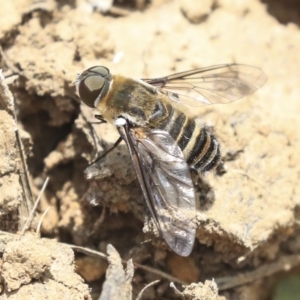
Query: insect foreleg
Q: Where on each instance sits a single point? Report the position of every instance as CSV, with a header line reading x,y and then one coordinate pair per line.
x,y
100,118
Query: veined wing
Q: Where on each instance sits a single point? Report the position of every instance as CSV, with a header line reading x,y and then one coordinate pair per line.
x,y
216,84
166,183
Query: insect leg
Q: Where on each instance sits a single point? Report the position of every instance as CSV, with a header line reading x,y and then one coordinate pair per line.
x,y
109,150
124,133
100,118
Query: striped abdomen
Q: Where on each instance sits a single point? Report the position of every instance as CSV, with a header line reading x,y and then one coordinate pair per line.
x,y
200,147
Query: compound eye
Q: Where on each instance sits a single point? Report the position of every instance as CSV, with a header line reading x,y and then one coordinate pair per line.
x,y
89,88
99,70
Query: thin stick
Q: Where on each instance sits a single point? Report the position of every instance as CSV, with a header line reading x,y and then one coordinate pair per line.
x,y
7,103
99,254
284,263
6,97
139,296
31,216
9,62
24,174
7,233
41,221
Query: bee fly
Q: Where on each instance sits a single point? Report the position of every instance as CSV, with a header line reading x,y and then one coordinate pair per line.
x,y
164,143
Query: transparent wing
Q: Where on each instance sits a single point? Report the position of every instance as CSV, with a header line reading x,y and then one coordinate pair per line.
x,y
215,84
166,183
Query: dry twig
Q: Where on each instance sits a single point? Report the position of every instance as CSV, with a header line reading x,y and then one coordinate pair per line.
x,y
31,216
284,263
139,296
99,254
7,104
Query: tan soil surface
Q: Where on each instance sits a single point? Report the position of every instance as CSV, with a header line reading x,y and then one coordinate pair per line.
x,y
247,219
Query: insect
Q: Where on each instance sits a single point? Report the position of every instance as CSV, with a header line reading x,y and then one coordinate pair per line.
x,y
163,141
